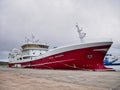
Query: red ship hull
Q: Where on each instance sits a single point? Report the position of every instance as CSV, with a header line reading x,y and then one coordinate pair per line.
x,y
89,58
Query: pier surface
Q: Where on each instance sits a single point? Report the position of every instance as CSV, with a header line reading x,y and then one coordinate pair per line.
x,y
38,79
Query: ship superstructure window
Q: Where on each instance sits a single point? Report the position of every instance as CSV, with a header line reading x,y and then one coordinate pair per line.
x,y
26,57
34,46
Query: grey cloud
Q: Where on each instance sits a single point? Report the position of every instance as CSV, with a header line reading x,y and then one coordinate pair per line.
x,y
54,21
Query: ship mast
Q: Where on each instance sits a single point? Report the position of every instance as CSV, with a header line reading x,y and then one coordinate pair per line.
x,y
81,35
31,40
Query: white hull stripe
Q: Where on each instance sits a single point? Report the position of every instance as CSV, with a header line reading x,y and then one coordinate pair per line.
x,y
104,49
51,62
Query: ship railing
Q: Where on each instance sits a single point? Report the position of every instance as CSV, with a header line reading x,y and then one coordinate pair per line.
x,y
97,40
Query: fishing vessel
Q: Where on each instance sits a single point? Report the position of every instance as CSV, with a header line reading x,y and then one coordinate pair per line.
x,y
81,56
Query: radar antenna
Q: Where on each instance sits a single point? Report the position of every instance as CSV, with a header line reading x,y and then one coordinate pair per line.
x,y
81,35
31,40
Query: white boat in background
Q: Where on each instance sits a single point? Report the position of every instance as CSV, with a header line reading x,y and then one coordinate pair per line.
x,y
111,61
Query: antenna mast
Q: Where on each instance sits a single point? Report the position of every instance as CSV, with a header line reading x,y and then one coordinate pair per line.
x,y
81,35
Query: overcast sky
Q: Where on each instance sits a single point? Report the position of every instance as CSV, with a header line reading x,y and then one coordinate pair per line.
x,y
53,22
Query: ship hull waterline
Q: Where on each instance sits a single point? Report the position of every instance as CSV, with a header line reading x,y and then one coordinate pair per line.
x,y
88,58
